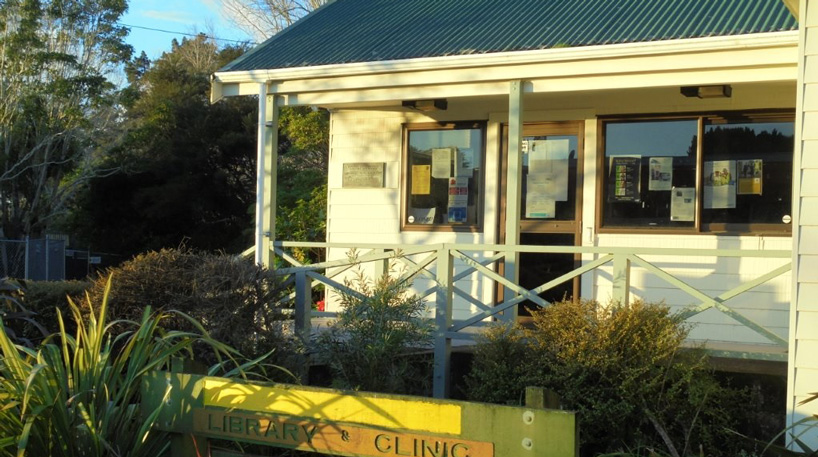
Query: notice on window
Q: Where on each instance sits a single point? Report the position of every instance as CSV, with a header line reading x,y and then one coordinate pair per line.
x,y
661,173
458,192
465,162
682,204
548,164
421,179
625,179
442,163
457,215
720,184
750,176
539,198
425,216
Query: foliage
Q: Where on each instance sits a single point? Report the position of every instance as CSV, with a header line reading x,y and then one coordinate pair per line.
x,y
78,394
622,362
232,298
19,322
57,104
186,167
262,19
373,345
497,376
44,298
307,221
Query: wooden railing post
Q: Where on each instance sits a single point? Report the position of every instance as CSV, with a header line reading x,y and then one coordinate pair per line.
x,y
443,320
303,305
621,279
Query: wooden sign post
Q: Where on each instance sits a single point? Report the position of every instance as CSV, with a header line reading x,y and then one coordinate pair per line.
x,y
350,423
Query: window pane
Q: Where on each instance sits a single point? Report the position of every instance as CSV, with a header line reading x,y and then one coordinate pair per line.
x,y
444,176
650,173
747,172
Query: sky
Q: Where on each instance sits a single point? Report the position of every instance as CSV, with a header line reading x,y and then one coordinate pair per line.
x,y
178,16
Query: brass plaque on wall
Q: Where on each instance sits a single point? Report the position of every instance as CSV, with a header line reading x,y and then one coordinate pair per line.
x,y
363,174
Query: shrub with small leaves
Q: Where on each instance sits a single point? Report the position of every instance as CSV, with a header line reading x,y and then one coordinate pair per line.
x,y
374,345
235,300
622,368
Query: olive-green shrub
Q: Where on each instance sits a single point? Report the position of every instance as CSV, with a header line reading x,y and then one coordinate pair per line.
x,y
376,342
236,301
622,368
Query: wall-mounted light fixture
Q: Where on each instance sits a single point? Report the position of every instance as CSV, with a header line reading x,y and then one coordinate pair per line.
x,y
720,91
437,104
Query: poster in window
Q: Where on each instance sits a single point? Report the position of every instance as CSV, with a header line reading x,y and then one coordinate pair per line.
x,y
625,179
548,161
660,175
457,215
465,162
421,179
682,204
720,184
750,176
458,192
425,216
441,163
539,198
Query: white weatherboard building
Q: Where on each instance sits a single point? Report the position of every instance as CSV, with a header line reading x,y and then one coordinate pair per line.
x,y
520,152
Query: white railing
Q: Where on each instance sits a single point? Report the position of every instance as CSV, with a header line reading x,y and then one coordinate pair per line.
x,y
436,262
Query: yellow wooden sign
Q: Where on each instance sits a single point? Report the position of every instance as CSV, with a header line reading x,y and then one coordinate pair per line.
x,y
344,439
337,422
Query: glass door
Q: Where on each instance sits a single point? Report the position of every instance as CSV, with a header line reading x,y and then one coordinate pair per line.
x,y
550,206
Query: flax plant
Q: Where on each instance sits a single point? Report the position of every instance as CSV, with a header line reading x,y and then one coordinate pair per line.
x,y
78,395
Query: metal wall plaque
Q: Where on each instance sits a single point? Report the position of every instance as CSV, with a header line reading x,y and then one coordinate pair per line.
x,y
363,174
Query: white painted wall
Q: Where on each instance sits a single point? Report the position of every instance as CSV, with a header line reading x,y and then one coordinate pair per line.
x,y
803,356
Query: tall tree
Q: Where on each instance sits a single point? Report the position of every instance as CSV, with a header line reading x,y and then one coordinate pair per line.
x,y
56,103
187,168
262,19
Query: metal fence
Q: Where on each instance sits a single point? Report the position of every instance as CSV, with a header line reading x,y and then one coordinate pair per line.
x,y
39,260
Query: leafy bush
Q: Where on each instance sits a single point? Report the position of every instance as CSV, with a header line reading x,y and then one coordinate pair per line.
x,y
43,298
234,299
497,374
78,394
374,343
19,322
622,369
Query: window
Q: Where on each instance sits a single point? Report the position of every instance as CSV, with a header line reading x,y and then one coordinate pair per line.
x,y
715,173
444,176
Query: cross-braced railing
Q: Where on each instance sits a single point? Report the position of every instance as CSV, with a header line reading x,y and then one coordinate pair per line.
x,y
436,262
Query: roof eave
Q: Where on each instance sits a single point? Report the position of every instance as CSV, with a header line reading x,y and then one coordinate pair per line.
x,y
610,51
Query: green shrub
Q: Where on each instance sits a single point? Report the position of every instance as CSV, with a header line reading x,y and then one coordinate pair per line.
x,y
623,369
235,300
44,298
77,395
497,374
374,343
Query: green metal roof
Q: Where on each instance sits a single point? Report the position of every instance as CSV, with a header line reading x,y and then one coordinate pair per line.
x,y
348,31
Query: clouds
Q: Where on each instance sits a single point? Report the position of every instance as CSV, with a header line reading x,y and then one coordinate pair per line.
x,y
180,17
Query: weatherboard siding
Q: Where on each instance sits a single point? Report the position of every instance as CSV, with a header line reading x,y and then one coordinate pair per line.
x,y
803,374
372,215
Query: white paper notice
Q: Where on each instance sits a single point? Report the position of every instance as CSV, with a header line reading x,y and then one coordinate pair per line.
x,y
661,173
539,200
458,192
441,163
682,204
465,162
548,163
720,184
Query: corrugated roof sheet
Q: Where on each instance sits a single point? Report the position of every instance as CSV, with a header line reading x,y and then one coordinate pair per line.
x,y
347,31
